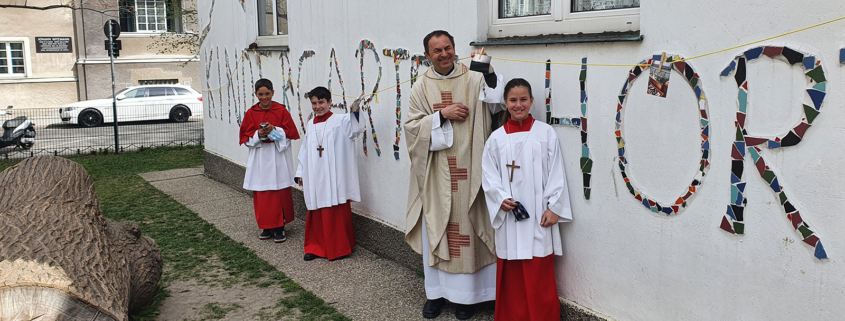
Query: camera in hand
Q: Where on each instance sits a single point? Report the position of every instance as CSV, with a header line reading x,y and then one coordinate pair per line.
x,y
519,212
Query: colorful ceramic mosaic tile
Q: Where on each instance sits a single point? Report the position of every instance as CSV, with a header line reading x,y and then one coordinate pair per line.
x,y
231,91
333,61
364,45
586,162
219,84
241,92
208,82
207,28
749,145
252,78
416,61
305,54
694,81
842,56
397,55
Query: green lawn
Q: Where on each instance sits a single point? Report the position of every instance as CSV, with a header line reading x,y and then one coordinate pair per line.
x,y
189,244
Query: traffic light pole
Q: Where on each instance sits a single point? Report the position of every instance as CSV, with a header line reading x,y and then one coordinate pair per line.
x,y
113,98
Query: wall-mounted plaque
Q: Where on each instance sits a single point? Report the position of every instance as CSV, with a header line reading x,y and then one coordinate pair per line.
x,y
53,44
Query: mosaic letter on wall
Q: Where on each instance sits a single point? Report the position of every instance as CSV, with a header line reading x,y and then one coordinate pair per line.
x,y
416,61
207,28
733,221
704,122
305,55
333,61
287,83
208,82
579,122
230,85
219,84
359,53
397,55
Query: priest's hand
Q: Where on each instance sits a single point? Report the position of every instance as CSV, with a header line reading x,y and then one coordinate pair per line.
x,y
549,219
508,204
457,112
298,180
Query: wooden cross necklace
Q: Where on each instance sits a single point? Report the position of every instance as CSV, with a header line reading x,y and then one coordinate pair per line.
x,y
320,141
513,164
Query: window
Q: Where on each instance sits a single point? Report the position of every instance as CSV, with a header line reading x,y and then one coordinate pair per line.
x,y
182,91
156,91
272,22
158,82
136,93
14,59
150,16
545,17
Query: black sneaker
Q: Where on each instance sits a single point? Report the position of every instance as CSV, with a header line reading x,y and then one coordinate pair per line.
x,y
265,234
279,235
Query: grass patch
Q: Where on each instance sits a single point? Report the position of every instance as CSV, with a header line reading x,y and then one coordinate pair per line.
x,y
192,248
217,311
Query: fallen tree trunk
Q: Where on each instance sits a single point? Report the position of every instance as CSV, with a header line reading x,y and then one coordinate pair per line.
x,y
59,257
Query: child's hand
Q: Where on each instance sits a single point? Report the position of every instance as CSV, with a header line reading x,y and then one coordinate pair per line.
x,y
508,204
549,219
298,180
263,132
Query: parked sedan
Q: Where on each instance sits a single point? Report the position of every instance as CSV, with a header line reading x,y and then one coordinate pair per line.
x,y
152,102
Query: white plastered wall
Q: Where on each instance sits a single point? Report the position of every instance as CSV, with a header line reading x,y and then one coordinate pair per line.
x,y
620,259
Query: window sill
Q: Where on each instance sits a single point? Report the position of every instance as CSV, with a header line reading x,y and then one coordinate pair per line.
x,y
628,36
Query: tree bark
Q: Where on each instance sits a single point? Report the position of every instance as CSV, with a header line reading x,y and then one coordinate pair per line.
x,y
53,235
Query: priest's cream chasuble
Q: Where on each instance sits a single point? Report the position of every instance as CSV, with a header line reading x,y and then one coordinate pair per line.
x,y
445,185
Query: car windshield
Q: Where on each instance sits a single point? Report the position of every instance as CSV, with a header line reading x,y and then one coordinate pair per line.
x,y
120,92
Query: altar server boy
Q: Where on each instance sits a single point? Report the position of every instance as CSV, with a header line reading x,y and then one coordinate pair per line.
x,y
523,174
328,175
267,130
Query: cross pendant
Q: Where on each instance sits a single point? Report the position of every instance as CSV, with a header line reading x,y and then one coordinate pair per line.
x,y
320,149
513,166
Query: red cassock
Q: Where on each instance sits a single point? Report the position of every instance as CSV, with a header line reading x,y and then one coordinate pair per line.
x,y
272,208
526,290
329,232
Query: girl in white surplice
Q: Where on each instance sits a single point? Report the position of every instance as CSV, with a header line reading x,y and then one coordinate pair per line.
x,y
523,169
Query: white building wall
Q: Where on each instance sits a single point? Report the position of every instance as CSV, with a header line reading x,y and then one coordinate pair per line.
x,y
620,259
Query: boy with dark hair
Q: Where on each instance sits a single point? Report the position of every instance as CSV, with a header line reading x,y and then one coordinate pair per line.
x,y
329,178
267,131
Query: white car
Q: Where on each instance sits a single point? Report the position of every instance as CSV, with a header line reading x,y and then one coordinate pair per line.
x,y
151,102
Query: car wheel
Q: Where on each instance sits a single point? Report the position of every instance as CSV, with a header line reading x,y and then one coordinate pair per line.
x,y
180,113
90,118
26,146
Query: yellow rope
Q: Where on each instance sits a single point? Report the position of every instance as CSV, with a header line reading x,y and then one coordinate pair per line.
x,y
565,63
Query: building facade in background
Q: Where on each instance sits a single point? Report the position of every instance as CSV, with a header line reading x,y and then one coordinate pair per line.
x,y
50,58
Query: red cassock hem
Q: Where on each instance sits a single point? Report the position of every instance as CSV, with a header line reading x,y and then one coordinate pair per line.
x,y
329,232
526,290
273,208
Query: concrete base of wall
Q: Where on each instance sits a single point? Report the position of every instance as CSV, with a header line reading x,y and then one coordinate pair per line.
x,y
370,233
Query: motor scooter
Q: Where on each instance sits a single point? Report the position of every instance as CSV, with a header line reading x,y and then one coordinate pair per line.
x,y
18,131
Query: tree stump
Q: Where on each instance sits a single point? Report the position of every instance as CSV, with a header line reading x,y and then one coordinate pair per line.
x,y
59,257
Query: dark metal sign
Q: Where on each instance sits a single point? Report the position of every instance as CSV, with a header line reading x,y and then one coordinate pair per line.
x,y
53,44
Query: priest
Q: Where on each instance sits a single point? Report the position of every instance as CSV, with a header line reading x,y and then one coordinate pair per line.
x,y
328,175
448,121
523,174
267,130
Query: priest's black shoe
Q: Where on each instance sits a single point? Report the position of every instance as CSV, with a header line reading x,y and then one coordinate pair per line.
x,y
432,308
310,257
279,235
266,234
464,312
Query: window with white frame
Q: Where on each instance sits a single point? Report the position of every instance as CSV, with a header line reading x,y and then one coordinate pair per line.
x,y
13,59
544,17
150,16
272,22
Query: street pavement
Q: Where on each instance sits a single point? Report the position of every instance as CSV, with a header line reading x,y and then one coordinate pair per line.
x,y
53,137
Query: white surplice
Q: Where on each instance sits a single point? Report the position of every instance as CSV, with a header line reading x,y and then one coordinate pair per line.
x,y
539,184
332,178
270,165
460,288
